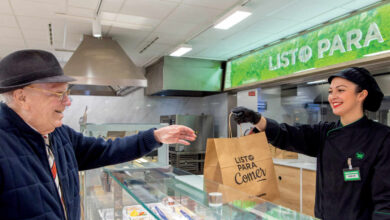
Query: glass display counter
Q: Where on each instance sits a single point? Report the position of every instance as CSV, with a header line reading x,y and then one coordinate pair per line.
x,y
145,190
112,131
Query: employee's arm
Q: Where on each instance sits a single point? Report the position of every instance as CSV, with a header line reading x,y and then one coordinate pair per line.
x,y
262,124
305,139
380,185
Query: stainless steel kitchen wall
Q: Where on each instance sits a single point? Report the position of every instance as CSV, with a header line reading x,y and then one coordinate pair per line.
x,y
138,108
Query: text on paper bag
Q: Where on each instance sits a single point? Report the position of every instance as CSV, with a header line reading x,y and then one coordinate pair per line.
x,y
245,164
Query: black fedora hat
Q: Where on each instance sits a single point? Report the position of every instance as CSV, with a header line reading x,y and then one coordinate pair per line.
x,y
25,67
363,78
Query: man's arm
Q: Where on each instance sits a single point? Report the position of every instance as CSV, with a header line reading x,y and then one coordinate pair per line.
x,y
94,152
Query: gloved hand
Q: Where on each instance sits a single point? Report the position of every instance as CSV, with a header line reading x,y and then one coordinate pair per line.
x,y
242,115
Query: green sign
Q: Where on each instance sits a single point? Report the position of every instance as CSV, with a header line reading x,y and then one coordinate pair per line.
x,y
350,39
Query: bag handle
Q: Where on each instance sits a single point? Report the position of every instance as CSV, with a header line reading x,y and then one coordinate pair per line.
x,y
230,133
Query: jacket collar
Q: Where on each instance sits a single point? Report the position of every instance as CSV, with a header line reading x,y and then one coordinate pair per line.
x,y
361,123
358,123
9,118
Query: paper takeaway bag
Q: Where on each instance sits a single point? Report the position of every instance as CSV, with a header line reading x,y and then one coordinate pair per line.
x,y
243,163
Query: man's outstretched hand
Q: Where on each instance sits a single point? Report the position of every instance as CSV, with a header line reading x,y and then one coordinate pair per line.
x,y
175,134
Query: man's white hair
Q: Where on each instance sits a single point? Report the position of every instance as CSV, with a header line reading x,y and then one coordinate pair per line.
x,y
6,97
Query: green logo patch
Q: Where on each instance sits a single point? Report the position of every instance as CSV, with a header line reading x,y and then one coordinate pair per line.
x,y
359,155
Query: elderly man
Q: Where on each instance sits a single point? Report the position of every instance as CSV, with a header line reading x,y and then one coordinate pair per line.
x,y
39,156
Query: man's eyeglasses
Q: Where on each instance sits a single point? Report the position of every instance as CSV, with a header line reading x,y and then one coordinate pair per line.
x,y
61,95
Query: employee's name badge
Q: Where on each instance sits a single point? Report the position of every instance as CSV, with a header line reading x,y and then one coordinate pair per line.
x,y
351,174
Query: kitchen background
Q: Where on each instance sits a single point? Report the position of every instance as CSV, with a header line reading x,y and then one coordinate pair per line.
x,y
138,108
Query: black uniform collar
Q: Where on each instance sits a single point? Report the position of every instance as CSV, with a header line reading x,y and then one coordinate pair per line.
x,y
362,122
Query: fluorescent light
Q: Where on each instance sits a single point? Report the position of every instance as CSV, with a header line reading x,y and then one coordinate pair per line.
x,y
183,49
317,82
377,53
96,28
233,19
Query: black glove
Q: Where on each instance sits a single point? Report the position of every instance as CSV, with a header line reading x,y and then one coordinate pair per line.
x,y
242,115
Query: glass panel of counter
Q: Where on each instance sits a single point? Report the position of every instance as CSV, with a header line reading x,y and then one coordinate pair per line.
x,y
137,190
119,130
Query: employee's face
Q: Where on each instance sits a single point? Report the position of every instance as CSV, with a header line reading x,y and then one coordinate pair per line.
x,y
45,107
343,97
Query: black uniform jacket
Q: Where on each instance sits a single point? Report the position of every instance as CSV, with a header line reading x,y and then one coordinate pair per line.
x,y
366,142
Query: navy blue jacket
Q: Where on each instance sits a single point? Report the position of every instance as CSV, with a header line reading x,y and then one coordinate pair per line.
x,y
366,142
27,188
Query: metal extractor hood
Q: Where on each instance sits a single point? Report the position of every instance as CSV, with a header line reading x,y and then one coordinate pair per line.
x,y
183,76
102,67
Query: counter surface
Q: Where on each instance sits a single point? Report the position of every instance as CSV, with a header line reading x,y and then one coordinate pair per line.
x,y
297,163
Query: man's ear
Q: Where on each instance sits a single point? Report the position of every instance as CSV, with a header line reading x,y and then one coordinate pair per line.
x,y
19,98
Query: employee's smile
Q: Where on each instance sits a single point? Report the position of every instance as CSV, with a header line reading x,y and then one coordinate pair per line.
x,y
336,104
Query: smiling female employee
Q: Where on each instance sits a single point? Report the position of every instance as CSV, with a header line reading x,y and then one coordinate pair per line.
x,y
353,155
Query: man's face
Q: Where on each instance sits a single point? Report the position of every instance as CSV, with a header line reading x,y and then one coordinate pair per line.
x,y
45,107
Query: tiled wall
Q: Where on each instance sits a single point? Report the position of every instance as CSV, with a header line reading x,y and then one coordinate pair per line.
x,y
137,108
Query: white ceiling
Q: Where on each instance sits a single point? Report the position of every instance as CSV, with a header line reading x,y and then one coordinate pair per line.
x,y
24,24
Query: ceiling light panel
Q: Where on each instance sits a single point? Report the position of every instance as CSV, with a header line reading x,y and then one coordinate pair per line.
x,y
181,50
232,20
